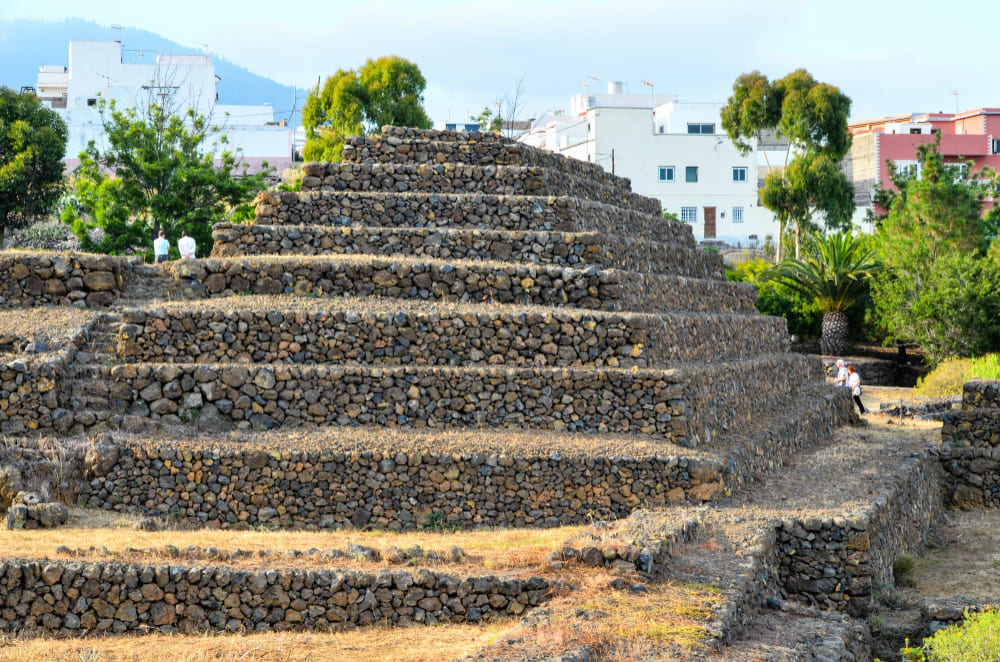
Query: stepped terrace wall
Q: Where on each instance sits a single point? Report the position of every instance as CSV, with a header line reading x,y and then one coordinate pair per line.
x,y
687,406
971,453
34,279
231,485
452,178
407,145
835,562
71,599
472,282
486,212
269,330
576,249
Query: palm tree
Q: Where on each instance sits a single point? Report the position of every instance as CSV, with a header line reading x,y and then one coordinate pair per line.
x,y
834,272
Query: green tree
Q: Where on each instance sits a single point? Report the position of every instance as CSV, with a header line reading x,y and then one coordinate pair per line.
x,y
834,273
32,145
812,117
488,120
157,171
935,240
385,91
802,315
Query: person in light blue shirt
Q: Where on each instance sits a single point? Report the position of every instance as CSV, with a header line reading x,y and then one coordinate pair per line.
x,y
161,246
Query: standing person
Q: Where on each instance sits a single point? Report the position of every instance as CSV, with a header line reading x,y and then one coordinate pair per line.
x,y
841,373
161,246
186,245
854,383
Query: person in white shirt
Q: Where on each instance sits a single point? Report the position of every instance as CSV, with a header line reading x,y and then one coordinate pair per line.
x,y
841,373
854,383
186,245
161,246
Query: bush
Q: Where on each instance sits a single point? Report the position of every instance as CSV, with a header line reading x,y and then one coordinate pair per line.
x,y
949,376
804,317
975,639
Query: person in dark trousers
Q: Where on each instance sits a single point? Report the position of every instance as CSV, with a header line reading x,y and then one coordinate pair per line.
x,y
854,383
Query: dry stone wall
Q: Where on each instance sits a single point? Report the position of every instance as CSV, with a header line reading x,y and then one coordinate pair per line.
x,y
234,485
458,178
835,562
687,406
68,598
269,332
34,279
481,211
469,282
556,248
416,146
971,453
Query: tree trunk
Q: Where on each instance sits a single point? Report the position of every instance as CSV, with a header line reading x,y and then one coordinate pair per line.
x,y
798,241
781,234
835,328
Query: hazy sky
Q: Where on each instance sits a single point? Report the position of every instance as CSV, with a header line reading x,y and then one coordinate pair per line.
x,y
888,57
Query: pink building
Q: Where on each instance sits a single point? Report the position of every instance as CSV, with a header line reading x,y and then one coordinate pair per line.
x,y
973,135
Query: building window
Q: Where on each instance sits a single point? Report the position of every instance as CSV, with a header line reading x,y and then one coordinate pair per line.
x,y
691,174
737,214
701,128
661,128
665,173
689,214
739,174
996,146
91,103
915,131
908,169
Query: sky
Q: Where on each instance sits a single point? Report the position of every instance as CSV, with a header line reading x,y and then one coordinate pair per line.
x,y
889,58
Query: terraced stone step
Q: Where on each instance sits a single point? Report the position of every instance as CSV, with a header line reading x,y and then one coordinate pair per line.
x,y
275,329
475,210
462,281
689,405
400,145
576,249
459,178
117,598
395,477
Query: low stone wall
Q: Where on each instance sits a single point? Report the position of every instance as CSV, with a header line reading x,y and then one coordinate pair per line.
x,y
971,427
981,394
834,563
972,476
878,372
458,178
29,388
34,279
406,145
232,485
556,248
269,331
687,406
472,282
485,212
74,598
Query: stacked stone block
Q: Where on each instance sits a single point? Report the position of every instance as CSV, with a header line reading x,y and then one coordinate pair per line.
x,y
971,452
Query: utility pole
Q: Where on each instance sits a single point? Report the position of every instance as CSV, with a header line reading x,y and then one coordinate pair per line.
x,y
612,160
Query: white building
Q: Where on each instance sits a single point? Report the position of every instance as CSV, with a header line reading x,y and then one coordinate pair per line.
x,y
97,70
674,151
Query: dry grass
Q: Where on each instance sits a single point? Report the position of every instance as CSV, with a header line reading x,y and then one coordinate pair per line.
x,y
667,621
965,559
52,325
409,644
499,441
487,549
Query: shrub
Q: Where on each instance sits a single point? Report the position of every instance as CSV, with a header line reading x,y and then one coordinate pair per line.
x,y
949,376
902,571
804,317
975,639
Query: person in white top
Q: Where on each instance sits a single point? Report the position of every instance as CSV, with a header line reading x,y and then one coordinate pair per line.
x,y
186,245
841,373
161,246
854,383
